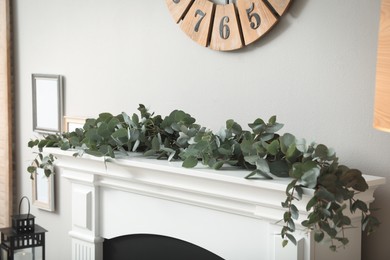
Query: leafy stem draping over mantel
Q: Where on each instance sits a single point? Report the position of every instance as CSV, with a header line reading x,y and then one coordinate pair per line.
x,y
261,150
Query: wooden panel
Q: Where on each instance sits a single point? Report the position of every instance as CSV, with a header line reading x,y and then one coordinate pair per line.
x,y
178,8
280,6
196,23
226,34
256,19
5,116
382,95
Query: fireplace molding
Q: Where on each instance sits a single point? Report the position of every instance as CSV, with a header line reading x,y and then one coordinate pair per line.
x,y
138,184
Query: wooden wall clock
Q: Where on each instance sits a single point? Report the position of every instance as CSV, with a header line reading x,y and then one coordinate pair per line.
x,y
228,26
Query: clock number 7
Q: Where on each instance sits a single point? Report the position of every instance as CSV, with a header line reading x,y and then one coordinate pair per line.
x,y
202,15
254,24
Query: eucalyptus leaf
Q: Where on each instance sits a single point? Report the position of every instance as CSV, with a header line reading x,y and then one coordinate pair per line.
x,y
358,204
272,120
236,128
155,143
262,165
252,159
321,151
294,211
113,124
318,236
273,147
120,133
104,117
150,152
309,178
135,146
190,162
274,128
323,194
279,168
218,165
94,152
31,169
286,141
257,174
291,238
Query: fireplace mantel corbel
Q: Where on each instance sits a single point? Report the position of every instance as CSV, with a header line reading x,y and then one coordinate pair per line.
x,y
220,211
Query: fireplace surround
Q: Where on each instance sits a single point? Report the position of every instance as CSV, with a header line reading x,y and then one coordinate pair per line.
x,y
218,211
152,247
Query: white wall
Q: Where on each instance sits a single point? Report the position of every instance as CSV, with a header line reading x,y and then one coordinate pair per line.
x,y
315,70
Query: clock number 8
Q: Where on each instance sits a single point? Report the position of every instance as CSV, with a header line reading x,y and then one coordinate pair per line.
x,y
224,30
256,16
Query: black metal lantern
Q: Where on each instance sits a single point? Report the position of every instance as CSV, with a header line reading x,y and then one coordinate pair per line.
x,y
20,241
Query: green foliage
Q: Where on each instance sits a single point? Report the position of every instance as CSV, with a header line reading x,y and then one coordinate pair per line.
x,y
260,150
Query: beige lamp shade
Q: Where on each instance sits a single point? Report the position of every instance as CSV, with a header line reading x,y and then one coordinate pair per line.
x,y
382,93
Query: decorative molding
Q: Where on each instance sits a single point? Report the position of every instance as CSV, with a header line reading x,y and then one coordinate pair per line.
x,y
141,195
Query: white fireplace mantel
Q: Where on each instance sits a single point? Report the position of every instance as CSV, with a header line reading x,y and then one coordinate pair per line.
x,y
220,211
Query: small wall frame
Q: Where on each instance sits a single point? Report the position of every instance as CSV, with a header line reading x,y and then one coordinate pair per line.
x,y
43,190
47,103
71,123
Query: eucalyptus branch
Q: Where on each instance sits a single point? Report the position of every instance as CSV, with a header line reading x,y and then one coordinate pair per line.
x,y
261,150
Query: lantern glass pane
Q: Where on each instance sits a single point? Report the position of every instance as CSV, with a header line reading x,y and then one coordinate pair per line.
x,y
4,254
34,253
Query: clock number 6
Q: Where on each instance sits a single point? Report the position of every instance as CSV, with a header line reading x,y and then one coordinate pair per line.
x,y
254,24
176,1
202,15
224,30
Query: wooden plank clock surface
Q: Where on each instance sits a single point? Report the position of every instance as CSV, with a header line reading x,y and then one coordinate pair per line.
x,y
226,34
226,27
196,24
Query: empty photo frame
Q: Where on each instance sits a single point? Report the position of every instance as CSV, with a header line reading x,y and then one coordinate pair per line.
x,y
43,190
71,123
47,103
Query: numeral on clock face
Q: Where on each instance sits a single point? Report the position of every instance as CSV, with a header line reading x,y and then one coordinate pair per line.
x,y
254,24
224,30
202,15
197,21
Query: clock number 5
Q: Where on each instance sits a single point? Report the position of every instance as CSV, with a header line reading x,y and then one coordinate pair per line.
x,y
224,30
202,15
252,16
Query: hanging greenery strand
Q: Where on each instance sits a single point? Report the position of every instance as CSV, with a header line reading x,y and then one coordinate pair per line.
x,y
260,150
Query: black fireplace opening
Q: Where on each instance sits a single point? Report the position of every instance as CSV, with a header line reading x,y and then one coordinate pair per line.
x,y
153,247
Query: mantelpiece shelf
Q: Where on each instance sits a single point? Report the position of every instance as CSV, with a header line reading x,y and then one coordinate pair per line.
x,y
161,197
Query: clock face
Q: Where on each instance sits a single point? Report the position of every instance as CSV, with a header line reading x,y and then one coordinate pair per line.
x,y
225,25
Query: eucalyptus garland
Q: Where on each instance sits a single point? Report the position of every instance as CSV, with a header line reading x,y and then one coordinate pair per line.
x,y
260,150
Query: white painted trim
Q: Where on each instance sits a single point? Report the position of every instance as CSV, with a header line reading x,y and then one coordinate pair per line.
x,y
143,185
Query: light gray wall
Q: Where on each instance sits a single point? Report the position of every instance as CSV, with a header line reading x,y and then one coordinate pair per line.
x,y
315,71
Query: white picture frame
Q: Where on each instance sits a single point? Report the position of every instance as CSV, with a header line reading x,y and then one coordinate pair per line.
x,y
71,123
43,190
47,103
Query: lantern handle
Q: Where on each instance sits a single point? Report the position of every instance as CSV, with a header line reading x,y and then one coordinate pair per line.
x,y
20,203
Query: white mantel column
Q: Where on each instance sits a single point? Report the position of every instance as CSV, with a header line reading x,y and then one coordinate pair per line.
x,y
86,242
